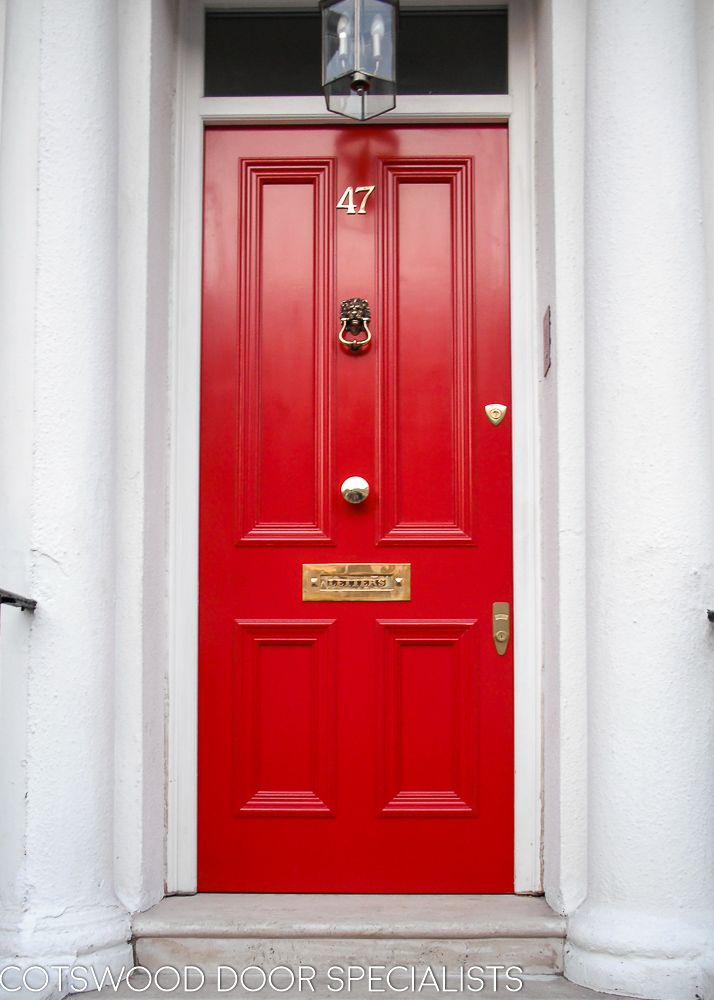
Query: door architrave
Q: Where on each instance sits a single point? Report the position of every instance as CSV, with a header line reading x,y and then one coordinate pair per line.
x,y
193,112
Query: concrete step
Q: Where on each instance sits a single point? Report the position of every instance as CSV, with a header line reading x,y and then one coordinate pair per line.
x,y
322,931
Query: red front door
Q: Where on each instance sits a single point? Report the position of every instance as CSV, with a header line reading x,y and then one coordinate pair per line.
x,y
355,745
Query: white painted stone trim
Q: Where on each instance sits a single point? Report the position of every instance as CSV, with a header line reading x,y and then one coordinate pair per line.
x,y
440,108
183,541
525,361
185,361
146,75
559,167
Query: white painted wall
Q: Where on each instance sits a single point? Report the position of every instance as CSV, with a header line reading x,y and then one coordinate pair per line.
x,y
647,922
58,881
624,172
18,215
624,159
560,122
705,72
146,47
85,187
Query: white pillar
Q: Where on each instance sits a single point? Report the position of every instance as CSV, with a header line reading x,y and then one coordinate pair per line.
x,y
18,168
61,888
647,921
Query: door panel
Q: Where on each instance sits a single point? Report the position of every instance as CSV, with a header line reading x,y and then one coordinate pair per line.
x,y
284,289
355,746
426,274
430,672
284,694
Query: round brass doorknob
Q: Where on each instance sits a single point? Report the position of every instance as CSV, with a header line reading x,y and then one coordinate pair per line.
x,y
355,489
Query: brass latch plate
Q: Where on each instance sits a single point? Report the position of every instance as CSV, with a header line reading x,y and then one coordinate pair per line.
x,y
501,626
356,582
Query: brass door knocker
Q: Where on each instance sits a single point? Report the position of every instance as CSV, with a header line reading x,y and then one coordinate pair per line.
x,y
355,317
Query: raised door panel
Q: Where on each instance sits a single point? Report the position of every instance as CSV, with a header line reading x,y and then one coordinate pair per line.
x,y
286,241
429,718
426,375
284,718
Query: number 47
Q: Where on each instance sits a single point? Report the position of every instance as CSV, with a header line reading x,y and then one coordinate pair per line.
x,y
347,201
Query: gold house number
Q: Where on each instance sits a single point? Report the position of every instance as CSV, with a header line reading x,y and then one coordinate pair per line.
x,y
347,201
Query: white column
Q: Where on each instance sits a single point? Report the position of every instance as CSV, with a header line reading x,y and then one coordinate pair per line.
x,y
64,907
647,921
18,179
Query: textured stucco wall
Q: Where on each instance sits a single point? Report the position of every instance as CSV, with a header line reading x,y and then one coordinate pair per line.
x,y
705,69
646,924
85,188
624,162
559,167
146,46
18,212
61,887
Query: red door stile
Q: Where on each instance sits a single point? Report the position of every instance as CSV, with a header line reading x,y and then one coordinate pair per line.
x,y
357,746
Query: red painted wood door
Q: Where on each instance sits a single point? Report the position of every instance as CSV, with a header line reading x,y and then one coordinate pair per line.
x,y
356,746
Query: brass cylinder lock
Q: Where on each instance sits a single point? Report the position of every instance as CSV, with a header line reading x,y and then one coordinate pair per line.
x,y
495,412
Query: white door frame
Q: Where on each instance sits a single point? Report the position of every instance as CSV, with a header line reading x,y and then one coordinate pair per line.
x,y
192,112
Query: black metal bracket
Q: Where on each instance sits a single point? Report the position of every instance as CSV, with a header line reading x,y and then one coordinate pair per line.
x,y
16,601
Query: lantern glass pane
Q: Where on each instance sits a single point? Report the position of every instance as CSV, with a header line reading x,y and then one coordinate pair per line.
x,y
377,37
342,98
338,26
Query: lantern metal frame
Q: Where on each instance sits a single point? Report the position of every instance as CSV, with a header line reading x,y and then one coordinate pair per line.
x,y
356,92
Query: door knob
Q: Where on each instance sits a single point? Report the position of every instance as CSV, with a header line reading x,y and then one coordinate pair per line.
x,y
355,489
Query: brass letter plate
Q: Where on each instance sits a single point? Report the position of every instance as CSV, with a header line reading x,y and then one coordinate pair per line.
x,y
357,582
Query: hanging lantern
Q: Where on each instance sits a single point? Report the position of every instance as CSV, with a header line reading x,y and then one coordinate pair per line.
x,y
359,56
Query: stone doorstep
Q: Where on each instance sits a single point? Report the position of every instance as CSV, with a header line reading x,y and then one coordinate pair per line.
x,y
534,988
268,930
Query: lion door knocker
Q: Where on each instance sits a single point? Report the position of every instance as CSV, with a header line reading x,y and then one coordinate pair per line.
x,y
355,317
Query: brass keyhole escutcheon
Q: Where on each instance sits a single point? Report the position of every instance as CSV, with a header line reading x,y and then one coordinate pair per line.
x,y
495,412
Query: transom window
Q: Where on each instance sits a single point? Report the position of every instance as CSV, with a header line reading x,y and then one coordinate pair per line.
x,y
278,54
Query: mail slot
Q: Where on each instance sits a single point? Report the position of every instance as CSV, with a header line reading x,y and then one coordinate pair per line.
x,y
356,582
